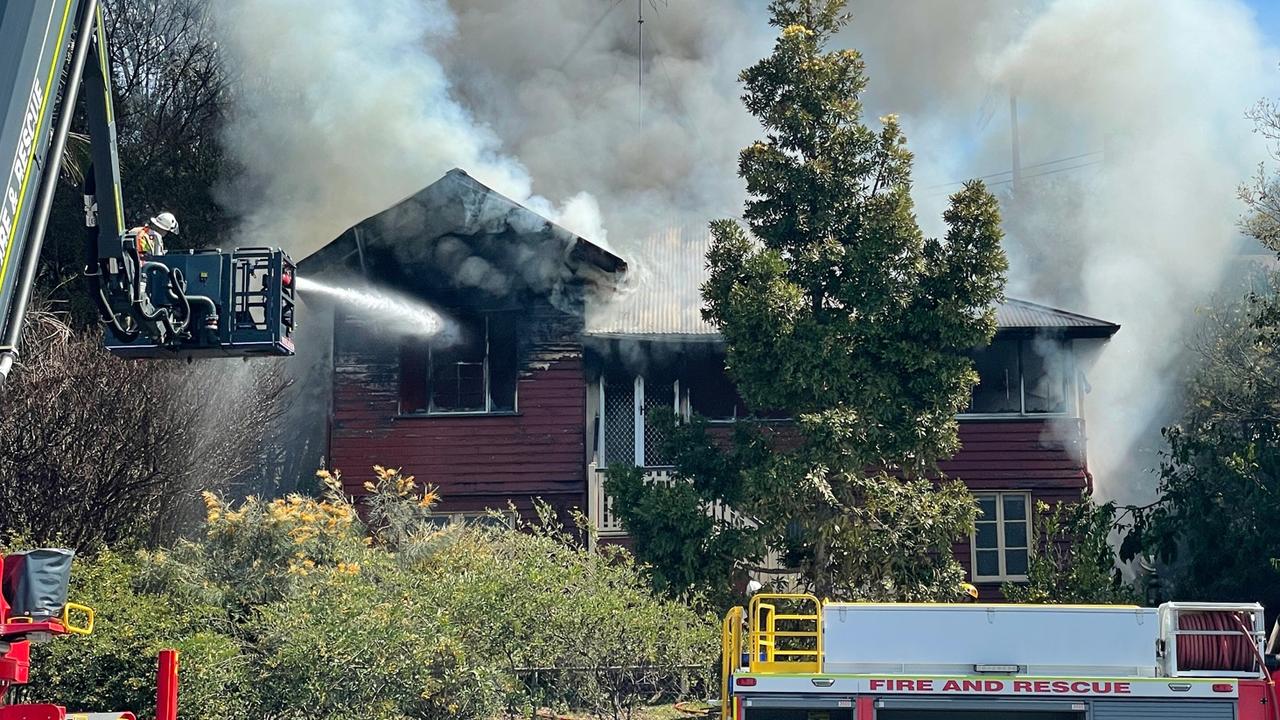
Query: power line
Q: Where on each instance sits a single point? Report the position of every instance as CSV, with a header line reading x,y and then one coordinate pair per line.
x,y
1024,167
1033,175
1051,172
640,64
591,31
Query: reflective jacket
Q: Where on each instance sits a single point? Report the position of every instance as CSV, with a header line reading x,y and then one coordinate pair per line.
x,y
146,240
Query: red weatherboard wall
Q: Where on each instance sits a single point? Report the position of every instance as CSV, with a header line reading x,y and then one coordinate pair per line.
x,y
477,462
1044,457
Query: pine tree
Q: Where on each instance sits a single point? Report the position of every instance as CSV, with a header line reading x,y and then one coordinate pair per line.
x,y
835,308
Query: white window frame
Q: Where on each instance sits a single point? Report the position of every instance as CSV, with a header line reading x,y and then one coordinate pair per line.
x,y
637,409
1001,548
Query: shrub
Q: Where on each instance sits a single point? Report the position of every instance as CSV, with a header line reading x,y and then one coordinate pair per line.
x,y
296,608
572,628
114,668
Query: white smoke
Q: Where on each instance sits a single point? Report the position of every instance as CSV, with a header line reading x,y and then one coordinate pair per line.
x,y
341,109
1149,97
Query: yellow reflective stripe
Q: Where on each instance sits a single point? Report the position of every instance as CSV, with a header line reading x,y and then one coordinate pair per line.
x,y
111,112
102,59
35,143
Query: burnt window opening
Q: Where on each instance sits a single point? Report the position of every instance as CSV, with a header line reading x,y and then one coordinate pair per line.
x,y
476,374
1022,377
711,393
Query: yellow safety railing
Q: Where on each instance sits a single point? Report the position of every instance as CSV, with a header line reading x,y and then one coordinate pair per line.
x,y
785,634
730,657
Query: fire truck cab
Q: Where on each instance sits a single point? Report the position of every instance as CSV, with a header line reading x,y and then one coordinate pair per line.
x,y
792,657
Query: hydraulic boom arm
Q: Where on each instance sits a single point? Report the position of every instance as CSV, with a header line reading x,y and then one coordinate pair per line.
x,y
199,303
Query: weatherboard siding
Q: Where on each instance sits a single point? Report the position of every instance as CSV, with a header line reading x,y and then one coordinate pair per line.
x,y
1045,457
477,461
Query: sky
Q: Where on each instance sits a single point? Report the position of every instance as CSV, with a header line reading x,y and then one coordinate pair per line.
x,y
1268,14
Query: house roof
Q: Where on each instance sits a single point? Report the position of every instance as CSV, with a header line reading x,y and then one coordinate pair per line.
x,y
661,299
426,230
1014,314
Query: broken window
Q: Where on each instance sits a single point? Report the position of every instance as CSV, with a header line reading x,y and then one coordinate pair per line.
x,y
457,382
1044,376
711,393
1029,377
999,388
475,374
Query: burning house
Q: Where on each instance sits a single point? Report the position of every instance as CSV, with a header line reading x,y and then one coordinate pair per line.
x,y
553,362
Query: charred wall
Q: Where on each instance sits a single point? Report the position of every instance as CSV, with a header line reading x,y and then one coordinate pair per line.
x,y
478,460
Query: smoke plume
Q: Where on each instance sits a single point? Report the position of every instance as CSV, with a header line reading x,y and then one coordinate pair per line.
x,y
1143,104
341,109
1131,135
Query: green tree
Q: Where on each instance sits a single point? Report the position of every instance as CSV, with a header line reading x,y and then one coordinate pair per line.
x,y
835,308
1072,558
1219,488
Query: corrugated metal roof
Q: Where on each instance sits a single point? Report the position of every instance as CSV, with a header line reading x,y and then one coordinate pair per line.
x,y
661,299
1014,313
661,293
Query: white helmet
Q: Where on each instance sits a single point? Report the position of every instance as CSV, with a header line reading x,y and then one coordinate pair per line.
x,y
165,221
754,587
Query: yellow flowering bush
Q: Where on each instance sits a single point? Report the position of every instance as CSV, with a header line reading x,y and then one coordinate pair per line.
x,y
316,607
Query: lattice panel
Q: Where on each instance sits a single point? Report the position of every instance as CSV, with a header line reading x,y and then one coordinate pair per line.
x,y
657,394
619,430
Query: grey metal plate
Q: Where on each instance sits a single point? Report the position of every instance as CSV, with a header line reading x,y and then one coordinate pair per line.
x,y
33,39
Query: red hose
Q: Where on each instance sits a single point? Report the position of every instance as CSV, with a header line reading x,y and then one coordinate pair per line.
x,y
1223,653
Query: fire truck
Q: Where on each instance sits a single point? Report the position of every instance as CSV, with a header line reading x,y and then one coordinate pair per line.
x,y
793,657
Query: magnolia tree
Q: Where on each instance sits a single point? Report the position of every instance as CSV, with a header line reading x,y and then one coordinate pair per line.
x,y
836,309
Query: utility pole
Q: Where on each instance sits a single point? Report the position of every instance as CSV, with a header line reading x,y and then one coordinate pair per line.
x,y
1013,135
640,64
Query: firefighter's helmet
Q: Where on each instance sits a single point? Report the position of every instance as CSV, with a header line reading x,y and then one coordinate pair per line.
x,y
970,591
165,221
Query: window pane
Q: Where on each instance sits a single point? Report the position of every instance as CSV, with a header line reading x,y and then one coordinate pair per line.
x,y
1015,534
437,522
502,361
987,505
1044,369
984,535
485,520
988,563
1015,562
998,390
457,372
1015,507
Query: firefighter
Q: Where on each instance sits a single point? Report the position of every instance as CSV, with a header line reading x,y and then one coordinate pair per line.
x,y
149,238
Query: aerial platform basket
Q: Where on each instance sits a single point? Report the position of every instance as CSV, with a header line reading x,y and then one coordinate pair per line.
x,y
253,294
